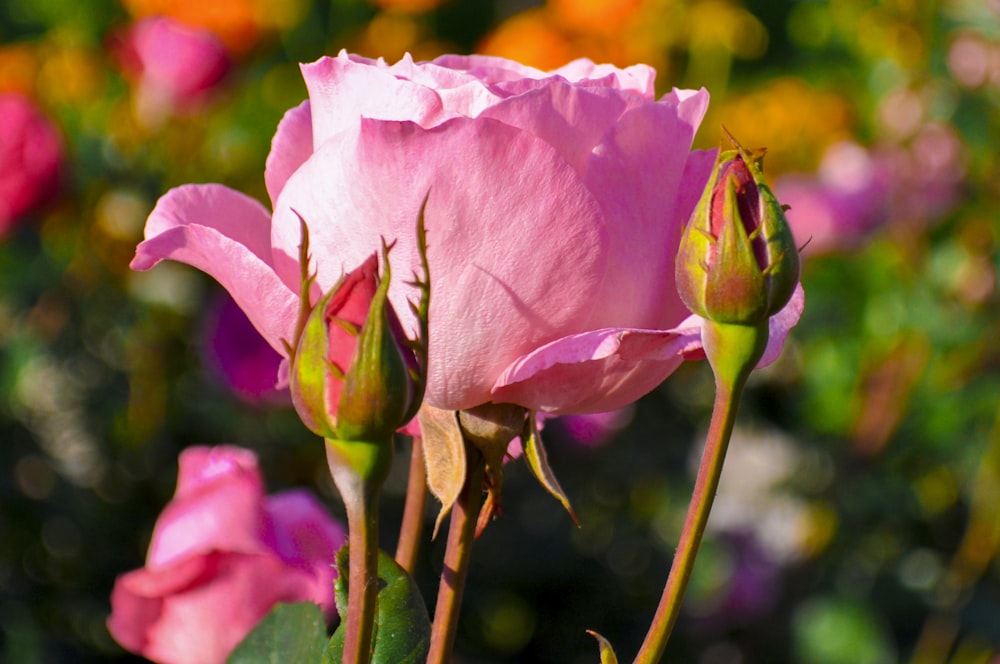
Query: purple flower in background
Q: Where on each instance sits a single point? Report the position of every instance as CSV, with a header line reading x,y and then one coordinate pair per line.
x,y
236,353
750,590
593,429
30,159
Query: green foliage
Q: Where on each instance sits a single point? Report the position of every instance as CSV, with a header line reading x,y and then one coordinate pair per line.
x,y
288,633
402,627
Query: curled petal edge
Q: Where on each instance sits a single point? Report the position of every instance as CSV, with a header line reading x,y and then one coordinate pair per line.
x,y
234,260
634,347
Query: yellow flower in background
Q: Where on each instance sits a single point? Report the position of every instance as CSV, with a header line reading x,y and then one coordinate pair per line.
x,y
795,121
57,70
721,25
71,74
391,34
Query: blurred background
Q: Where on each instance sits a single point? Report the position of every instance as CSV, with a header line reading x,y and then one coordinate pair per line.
x,y
859,517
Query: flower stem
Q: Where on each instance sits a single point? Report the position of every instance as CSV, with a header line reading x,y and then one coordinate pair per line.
x,y
359,470
457,555
412,526
732,351
362,586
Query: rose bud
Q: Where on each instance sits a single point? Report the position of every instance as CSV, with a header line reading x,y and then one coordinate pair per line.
x,y
737,261
354,374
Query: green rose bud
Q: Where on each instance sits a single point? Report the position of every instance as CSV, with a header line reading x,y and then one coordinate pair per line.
x,y
354,374
737,261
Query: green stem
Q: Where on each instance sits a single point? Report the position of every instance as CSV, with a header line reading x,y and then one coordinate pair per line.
x,y
732,351
362,589
412,527
359,468
457,555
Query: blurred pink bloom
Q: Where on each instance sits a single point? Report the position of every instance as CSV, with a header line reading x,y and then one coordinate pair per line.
x,y
594,429
237,353
30,159
222,554
174,67
556,201
927,174
856,189
836,209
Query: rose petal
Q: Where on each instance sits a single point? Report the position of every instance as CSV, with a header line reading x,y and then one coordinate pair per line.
x,y
186,626
226,235
518,200
571,119
691,104
489,69
291,146
610,368
637,78
137,599
594,371
306,536
698,168
638,175
218,506
374,92
201,467
781,324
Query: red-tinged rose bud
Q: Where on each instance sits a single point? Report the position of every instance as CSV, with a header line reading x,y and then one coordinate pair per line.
x,y
354,374
737,261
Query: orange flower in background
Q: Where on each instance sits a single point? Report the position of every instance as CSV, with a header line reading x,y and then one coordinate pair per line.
x,y
602,17
234,21
531,38
238,23
550,36
409,6
18,68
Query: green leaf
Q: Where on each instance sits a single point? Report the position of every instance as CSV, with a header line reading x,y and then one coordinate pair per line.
x,y
402,633
538,463
607,652
288,633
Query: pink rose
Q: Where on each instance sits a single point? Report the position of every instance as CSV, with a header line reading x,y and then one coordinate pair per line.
x,y
222,554
175,67
556,201
30,158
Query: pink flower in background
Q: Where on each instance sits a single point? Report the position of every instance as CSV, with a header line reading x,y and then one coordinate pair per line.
x,y
857,189
30,159
837,208
594,429
928,174
555,202
237,353
174,67
222,554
